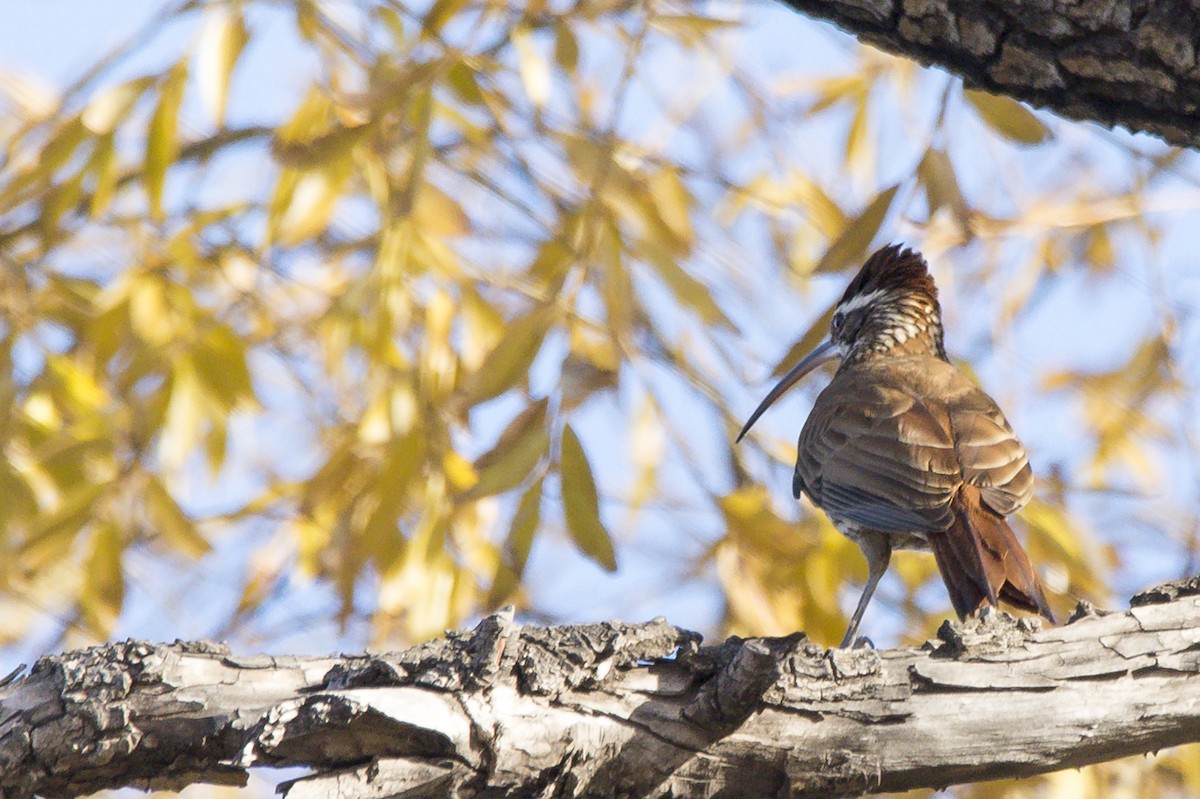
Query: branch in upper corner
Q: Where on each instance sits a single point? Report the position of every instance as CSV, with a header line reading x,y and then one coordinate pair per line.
x,y
1102,62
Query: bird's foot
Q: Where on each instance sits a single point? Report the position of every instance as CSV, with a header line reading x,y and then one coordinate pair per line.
x,y
862,642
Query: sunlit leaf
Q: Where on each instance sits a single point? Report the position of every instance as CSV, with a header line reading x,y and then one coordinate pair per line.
x,y
1008,117
517,545
535,70
581,505
222,40
103,591
852,244
524,442
817,332
440,13
566,47
169,521
936,172
110,107
509,361
161,140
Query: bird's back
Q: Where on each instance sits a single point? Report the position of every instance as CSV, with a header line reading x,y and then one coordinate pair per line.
x,y
890,441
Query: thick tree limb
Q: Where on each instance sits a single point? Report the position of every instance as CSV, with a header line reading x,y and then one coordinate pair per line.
x,y
1118,62
615,710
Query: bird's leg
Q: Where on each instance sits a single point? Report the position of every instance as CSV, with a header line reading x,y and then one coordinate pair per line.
x,y
877,549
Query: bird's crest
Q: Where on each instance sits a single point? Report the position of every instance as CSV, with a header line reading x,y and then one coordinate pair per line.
x,y
893,268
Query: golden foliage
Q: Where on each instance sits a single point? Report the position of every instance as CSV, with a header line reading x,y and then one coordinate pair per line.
x,y
482,235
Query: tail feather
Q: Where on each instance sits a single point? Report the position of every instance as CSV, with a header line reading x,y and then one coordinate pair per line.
x,y
981,560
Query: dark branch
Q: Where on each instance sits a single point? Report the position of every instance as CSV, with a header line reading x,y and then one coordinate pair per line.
x,y
1116,62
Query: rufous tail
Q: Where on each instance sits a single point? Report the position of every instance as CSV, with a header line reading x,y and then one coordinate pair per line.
x,y
981,560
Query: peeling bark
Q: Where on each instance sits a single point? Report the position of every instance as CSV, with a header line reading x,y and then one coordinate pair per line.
x,y
1117,62
609,710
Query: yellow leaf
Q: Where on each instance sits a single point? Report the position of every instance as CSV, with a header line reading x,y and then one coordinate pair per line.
x,y
517,545
691,292
523,443
936,173
169,521
52,535
1008,117
438,214
461,79
107,168
673,202
311,203
220,362
111,106
509,361
581,505
74,386
162,143
852,244
222,40
103,590
859,150
807,342
150,314
551,264
459,471
534,69
440,14
483,326
566,46
185,413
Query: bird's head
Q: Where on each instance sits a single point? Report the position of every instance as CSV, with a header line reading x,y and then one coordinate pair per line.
x,y
890,308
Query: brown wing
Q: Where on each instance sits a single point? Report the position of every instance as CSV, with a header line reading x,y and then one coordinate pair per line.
x,y
887,446
877,455
991,455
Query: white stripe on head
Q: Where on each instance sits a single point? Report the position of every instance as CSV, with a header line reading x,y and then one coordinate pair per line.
x,y
861,301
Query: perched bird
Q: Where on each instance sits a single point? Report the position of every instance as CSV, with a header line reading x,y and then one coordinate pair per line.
x,y
903,451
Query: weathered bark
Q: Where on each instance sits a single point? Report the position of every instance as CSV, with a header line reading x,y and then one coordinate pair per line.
x,y
614,710
1118,62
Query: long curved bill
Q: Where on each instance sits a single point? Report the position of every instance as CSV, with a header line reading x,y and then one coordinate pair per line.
x,y
824,353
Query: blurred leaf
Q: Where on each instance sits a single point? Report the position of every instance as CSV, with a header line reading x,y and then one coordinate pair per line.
x,y
566,47
509,361
440,13
852,244
162,143
52,535
105,165
220,361
690,28
110,107
103,591
517,545
169,521
535,70
524,442
222,40
1008,117
817,332
581,505
439,214
691,292
936,173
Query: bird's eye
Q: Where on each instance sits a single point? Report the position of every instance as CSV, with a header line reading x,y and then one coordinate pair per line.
x,y
838,321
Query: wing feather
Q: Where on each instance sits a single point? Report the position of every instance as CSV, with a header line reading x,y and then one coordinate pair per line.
x,y
887,447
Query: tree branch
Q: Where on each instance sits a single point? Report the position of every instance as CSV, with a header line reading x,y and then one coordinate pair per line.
x,y
1116,62
615,710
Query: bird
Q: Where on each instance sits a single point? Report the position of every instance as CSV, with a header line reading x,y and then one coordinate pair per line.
x,y
903,451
